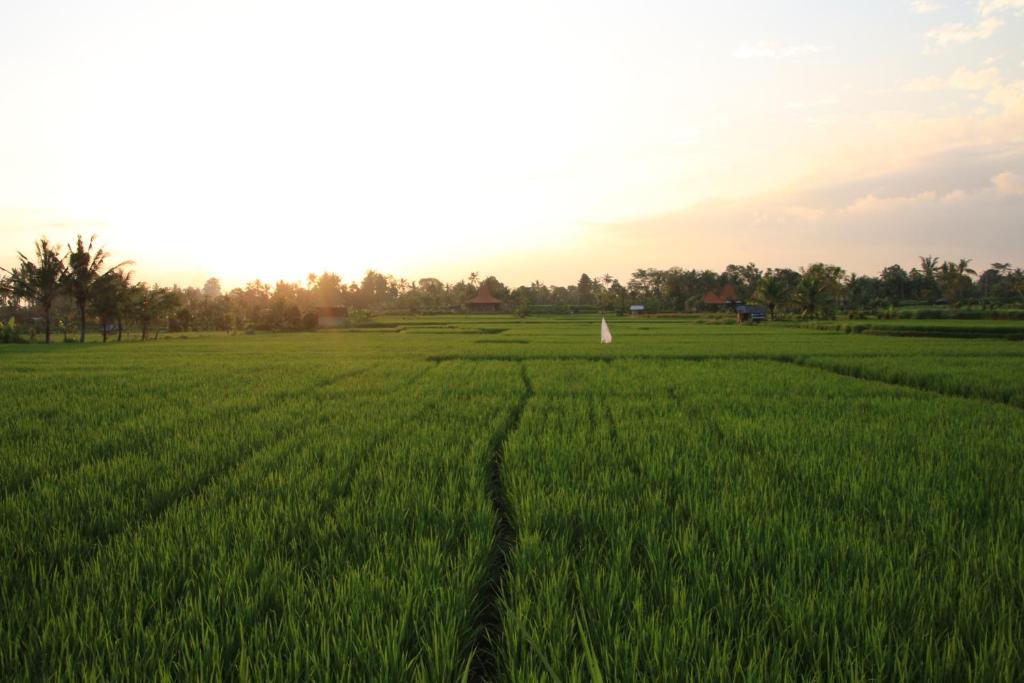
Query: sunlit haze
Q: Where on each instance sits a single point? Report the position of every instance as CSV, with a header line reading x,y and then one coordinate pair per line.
x,y
529,140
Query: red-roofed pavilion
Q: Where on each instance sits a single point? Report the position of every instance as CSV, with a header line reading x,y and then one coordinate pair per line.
x,y
727,297
713,299
729,294
484,301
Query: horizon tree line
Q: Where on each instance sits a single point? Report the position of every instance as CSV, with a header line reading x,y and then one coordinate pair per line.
x,y
77,283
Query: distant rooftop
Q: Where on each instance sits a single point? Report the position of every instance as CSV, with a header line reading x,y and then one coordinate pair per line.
x,y
484,296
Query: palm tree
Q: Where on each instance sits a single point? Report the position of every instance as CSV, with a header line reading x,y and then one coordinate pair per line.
x,y
819,284
810,295
929,270
954,280
39,281
82,274
773,291
6,290
929,264
964,267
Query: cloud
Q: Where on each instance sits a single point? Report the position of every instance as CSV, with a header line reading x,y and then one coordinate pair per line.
x,y
1008,96
1009,183
925,6
805,213
768,50
964,203
959,32
982,79
928,84
961,79
873,204
987,7
968,168
813,104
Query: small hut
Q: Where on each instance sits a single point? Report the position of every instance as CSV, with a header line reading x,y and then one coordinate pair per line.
x,y
636,309
484,302
331,316
750,314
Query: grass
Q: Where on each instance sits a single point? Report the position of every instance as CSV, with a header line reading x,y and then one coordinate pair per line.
x,y
1012,330
503,499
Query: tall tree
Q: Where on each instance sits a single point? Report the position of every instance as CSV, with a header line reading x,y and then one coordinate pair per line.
x,y
774,291
41,280
326,288
744,278
585,290
151,304
110,300
954,280
82,274
895,284
929,281
211,288
818,288
6,291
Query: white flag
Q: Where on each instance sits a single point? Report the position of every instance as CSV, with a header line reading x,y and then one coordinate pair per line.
x,y
606,334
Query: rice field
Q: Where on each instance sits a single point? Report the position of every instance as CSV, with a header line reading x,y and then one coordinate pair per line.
x,y
487,498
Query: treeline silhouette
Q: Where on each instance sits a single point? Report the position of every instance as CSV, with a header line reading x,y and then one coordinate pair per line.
x,y
67,290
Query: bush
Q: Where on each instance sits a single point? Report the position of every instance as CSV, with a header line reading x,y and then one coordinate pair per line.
x,y
10,333
359,316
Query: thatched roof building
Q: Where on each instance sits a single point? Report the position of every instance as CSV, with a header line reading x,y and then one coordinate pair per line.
x,y
484,301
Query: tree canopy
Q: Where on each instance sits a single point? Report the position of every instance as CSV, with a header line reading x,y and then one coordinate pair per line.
x,y
76,284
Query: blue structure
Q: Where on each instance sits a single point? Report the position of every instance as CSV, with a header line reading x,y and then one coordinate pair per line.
x,y
750,314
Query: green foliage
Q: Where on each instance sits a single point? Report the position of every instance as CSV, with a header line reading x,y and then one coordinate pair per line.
x,y
359,317
41,280
10,333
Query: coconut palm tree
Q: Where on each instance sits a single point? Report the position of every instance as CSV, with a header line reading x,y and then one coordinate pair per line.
x,y
773,291
954,280
6,291
818,287
929,271
963,267
809,295
82,274
39,281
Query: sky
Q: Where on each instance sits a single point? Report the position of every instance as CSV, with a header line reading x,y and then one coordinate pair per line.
x,y
529,140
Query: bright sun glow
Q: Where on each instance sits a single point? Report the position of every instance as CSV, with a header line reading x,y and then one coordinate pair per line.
x,y
247,140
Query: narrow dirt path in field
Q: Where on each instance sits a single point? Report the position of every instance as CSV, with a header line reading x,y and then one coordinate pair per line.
x,y
488,625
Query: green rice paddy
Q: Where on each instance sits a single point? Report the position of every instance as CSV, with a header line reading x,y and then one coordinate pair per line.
x,y
487,498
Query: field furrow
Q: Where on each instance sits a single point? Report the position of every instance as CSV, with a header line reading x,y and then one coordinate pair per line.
x,y
760,521
1000,380
487,641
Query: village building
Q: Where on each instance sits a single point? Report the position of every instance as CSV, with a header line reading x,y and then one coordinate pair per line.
x,y
636,309
750,314
331,316
484,302
726,297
